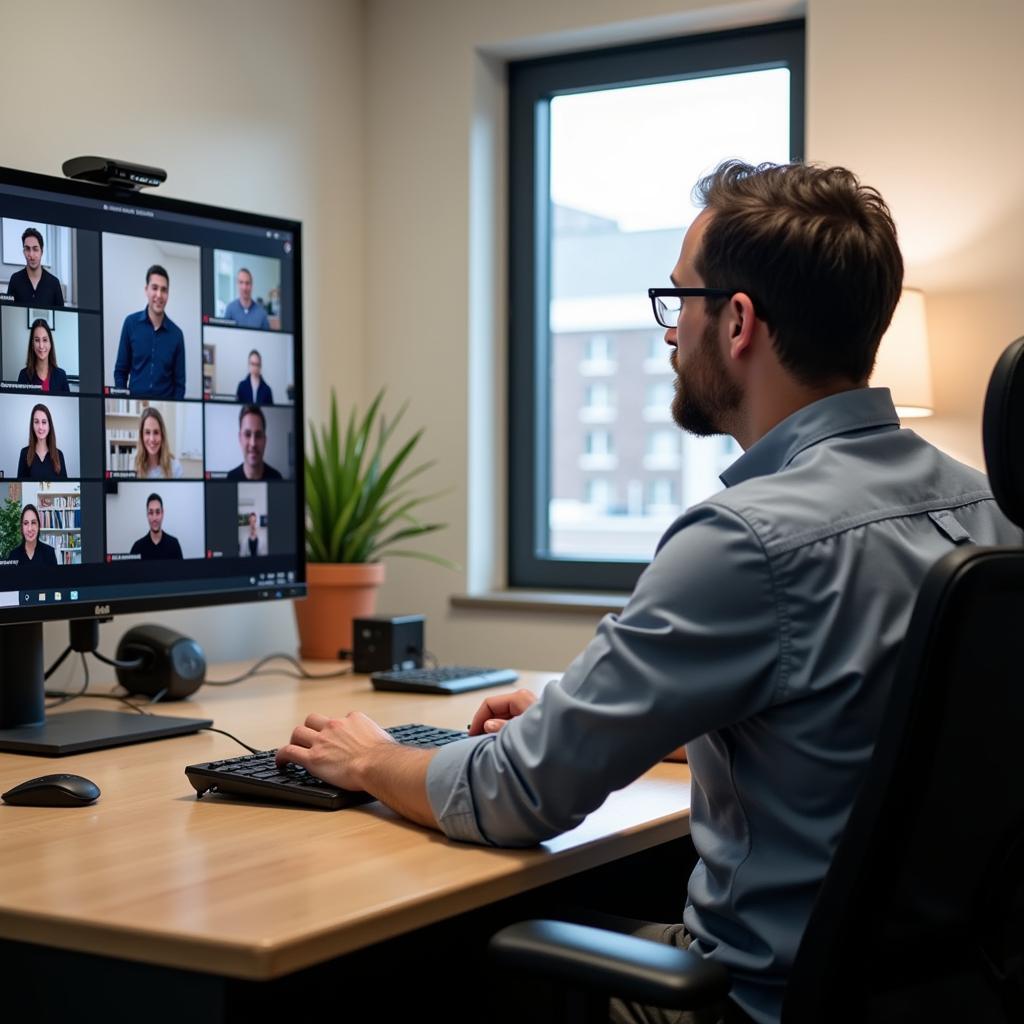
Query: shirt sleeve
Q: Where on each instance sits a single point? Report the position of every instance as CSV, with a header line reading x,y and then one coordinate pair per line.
x,y
696,648
122,365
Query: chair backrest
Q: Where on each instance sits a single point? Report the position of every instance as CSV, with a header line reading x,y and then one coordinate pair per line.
x,y
921,915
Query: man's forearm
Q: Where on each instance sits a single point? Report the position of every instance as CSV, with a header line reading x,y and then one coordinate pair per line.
x,y
397,776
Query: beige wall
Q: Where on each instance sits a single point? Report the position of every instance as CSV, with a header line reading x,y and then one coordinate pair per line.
x,y
380,126
253,105
923,98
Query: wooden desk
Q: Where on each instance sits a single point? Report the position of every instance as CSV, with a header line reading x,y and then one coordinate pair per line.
x,y
255,891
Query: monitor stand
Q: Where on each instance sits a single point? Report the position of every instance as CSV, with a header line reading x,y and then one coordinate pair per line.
x,y
26,729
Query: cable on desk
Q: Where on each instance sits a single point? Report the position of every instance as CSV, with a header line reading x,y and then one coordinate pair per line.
x,y
64,698
301,672
241,743
134,663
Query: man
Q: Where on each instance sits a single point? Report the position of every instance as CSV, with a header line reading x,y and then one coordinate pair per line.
x,y
35,286
151,354
253,389
243,310
764,634
252,439
156,544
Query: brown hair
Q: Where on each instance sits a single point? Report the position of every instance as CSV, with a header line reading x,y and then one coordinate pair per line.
x,y
815,250
51,438
28,507
142,456
30,358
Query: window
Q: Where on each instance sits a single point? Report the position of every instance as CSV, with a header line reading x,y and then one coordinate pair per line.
x,y
598,356
604,148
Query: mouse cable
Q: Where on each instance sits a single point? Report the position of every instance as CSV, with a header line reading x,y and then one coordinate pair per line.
x,y
300,673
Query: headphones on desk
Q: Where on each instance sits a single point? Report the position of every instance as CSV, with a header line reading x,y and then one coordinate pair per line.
x,y
162,663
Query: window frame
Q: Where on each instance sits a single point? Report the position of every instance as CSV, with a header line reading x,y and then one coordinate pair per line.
x,y
532,85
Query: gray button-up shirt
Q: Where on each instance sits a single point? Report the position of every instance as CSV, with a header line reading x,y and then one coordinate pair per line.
x,y
763,635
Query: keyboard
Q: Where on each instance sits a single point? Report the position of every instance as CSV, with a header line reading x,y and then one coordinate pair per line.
x,y
445,679
257,776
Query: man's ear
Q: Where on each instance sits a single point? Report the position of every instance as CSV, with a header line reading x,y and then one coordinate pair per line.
x,y
742,322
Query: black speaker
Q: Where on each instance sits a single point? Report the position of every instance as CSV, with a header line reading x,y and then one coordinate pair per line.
x,y
384,644
173,666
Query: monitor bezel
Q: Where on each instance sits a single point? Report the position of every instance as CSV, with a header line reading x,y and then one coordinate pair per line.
x,y
11,615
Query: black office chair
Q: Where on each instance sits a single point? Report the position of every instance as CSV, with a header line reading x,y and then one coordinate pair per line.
x,y
921,915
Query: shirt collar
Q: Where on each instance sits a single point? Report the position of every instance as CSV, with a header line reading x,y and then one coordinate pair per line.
x,y
143,318
844,413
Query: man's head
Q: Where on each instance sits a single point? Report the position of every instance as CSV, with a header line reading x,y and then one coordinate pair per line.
x,y
252,438
807,251
32,247
155,513
158,285
817,253
244,282
255,363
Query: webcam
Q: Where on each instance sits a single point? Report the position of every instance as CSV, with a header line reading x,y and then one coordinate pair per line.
x,y
105,170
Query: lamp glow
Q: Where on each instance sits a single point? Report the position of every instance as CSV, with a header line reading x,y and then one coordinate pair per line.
x,y
903,363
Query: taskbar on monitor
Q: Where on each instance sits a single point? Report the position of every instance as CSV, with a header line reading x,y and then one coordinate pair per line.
x,y
253,586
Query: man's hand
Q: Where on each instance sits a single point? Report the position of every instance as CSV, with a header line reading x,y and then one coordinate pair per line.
x,y
496,711
335,749
355,753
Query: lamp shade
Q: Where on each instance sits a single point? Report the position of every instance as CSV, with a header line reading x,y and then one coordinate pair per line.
x,y
903,364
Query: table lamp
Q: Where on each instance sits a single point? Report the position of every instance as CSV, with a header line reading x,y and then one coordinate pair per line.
x,y
902,364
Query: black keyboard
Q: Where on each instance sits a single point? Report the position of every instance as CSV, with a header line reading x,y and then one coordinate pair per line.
x,y
445,679
257,776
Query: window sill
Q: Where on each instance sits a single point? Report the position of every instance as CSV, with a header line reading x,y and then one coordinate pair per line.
x,y
541,601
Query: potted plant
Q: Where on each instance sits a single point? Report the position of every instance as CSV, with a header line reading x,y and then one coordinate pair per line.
x,y
358,507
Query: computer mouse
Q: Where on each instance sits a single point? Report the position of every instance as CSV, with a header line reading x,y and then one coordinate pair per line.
x,y
53,791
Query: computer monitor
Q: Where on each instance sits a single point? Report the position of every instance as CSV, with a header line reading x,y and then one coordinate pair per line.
x,y
150,422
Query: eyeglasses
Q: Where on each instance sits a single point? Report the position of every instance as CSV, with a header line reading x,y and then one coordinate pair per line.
x,y
668,302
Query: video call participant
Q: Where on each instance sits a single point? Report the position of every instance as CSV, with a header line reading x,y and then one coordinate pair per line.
x,y
41,367
35,285
156,545
151,354
765,631
252,542
243,310
153,456
252,439
31,550
41,459
254,389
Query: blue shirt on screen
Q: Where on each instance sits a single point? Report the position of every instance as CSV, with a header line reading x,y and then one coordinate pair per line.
x,y
254,316
763,635
150,360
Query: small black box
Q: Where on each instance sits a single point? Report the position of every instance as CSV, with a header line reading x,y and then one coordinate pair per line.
x,y
384,643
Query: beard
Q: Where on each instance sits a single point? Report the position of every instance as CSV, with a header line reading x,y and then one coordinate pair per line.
x,y
704,401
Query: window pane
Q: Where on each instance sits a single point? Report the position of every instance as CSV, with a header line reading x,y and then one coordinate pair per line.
x,y
621,164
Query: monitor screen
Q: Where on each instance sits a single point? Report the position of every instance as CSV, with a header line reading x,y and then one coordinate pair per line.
x,y
150,403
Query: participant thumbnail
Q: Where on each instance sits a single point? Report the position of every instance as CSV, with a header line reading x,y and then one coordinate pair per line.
x,y
151,317
249,442
39,439
239,366
247,290
39,349
253,524
154,520
40,524
149,439
38,265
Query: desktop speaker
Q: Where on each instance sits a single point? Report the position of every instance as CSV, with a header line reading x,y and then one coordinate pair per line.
x,y
172,666
386,644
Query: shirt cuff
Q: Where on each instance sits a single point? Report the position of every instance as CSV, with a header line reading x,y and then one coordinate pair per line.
x,y
449,793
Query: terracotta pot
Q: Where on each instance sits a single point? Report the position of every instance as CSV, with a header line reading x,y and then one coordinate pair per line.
x,y
338,594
